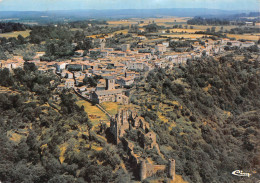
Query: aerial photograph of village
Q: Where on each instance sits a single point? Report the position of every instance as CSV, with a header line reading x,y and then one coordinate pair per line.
x,y
130,91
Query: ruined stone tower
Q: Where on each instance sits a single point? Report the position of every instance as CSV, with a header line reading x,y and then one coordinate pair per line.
x,y
171,169
143,170
119,124
102,45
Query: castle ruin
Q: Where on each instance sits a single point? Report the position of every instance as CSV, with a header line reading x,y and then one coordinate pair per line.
x,y
147,169
126,119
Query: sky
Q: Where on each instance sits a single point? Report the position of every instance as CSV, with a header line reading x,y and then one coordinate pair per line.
x,y
45,5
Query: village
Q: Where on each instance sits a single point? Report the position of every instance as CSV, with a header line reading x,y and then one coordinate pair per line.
x,y
118,69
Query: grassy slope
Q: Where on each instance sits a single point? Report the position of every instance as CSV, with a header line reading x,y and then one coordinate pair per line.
x,y
111,107
94,113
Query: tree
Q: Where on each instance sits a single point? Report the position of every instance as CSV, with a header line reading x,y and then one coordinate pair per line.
x,y
29,67
213,29
152,28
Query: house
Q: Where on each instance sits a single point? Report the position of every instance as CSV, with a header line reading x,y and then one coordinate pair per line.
x,y
125,81
235,43
247,44
141,37
60,87
69,83
80,80
129,73
138,65
177,58
39,54
101,85
79,53
60,66
125,47
115,95
160,48
117,54
43,70
94,51
69,75
249,23
81,89
165,44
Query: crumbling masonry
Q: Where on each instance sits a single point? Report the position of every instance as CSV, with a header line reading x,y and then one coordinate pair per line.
x,y
125,119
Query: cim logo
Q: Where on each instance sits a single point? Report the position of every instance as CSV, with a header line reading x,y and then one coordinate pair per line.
x,y
241,173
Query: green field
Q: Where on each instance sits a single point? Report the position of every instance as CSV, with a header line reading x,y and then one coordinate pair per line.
x,y
16,34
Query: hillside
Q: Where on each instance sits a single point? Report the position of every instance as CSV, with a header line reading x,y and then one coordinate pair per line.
x,y
206,116
44,139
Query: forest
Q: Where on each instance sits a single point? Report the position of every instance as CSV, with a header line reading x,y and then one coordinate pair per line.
x,y
207,21
10,27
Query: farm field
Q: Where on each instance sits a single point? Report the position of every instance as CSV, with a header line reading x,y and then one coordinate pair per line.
x,y
94,36
159,21
184,30
247,37
255,34
122,22
77,29
154,40
125,31
16,34
188,36
205,27
168,19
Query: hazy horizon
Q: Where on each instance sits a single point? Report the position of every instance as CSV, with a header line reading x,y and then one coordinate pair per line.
x,y
50,5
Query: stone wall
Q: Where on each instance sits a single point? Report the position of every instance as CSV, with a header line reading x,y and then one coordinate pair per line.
x,y
147,169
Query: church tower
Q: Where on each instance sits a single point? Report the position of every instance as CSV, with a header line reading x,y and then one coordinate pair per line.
x,y
110,84
102,44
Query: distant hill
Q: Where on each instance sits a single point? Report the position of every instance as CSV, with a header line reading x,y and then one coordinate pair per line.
x,y
61,15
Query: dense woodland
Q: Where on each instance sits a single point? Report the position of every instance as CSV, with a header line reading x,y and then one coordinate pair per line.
x,y
10,27
207,21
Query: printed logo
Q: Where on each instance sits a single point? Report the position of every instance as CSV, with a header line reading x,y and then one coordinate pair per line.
x,y
241,173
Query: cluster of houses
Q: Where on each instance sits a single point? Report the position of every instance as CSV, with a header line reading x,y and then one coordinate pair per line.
x,y
119,68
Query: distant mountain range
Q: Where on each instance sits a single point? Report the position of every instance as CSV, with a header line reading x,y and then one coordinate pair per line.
x,y
114,13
